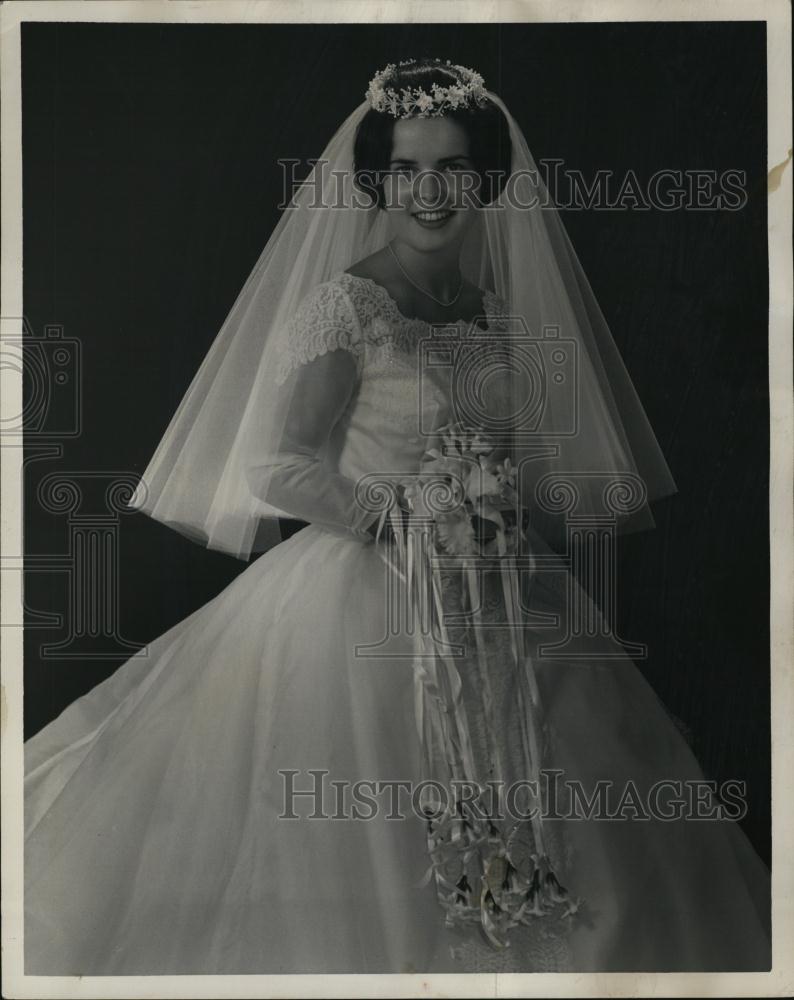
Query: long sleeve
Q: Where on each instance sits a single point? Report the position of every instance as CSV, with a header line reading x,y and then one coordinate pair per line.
x,y
317,379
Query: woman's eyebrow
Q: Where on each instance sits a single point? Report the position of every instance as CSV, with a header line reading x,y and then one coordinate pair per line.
x,y
444,159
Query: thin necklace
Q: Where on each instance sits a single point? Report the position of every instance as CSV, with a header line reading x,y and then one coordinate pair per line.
x,y
419,288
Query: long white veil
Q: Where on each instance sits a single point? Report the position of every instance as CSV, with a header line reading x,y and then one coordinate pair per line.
x,y
575,421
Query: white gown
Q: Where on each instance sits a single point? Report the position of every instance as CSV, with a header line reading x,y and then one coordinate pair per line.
x,y
153,843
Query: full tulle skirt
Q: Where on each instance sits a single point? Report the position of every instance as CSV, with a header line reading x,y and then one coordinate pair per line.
x,y
158,829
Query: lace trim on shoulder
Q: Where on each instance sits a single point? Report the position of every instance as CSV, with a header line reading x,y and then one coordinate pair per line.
x,y
324,321
381,320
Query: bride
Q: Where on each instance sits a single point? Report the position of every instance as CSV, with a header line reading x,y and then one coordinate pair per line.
x,y
266,788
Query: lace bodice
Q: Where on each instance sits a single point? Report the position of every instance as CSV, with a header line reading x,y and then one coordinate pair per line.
x,y
369,387
354,314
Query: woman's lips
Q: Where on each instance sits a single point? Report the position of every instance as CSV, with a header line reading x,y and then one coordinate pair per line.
x,y
433,220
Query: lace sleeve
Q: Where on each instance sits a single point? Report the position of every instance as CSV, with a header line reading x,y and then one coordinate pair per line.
x,y
325,321
317,382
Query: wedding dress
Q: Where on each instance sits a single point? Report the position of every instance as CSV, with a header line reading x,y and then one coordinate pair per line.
x,y
153,838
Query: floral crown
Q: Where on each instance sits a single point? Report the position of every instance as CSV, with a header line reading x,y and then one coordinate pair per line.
x,y
468,90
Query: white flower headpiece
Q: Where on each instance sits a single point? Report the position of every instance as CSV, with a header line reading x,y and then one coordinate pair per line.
x,y
415,102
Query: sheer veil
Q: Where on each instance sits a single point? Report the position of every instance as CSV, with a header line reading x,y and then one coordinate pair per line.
x,y
568,405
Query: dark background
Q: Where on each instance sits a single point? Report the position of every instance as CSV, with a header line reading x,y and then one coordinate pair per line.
x,y
151,186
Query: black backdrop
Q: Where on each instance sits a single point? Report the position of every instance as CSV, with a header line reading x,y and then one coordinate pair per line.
x,y
151,185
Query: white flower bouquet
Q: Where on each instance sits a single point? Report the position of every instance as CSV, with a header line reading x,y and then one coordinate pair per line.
x,y
465,495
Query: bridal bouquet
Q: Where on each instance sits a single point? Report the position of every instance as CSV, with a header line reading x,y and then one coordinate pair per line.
x,y
467,497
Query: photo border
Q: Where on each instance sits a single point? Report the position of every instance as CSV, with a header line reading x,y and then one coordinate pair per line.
x,y
778,982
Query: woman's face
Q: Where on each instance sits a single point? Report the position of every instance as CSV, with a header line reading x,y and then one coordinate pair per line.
x,y
431,185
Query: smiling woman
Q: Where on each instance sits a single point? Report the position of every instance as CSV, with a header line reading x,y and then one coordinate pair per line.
x,y
430,175
428,196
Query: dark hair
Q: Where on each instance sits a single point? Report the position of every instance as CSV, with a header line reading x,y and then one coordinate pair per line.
x,y
485,125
